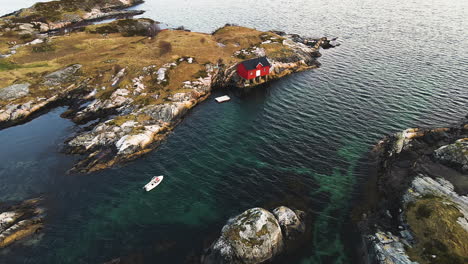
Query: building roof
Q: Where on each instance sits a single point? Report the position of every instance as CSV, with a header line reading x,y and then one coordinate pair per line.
x,y
252,64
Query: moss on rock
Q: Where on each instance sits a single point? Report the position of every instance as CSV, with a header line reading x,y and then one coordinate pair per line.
x,y
440,239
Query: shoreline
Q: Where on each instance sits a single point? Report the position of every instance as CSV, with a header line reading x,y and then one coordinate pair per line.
x,y
142,104
389,229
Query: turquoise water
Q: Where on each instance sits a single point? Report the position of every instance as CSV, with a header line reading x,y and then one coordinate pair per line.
x,y
297,142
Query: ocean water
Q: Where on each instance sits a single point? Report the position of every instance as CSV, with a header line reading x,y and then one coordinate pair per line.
x,y
299,141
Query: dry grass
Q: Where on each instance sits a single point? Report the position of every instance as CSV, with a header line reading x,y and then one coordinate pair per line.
x,y
434,222
100,55
246,37
276,50
183,72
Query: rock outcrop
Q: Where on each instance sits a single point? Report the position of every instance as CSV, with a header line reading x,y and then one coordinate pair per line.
x,y
14,91
420,214
20,221
455,154
256,236
65,83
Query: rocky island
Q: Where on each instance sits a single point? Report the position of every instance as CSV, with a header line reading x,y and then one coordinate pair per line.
x,y
417,203
127,82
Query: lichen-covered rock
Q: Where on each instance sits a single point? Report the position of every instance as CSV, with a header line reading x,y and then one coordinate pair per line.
x,y
251,237
65,75
291,222
456,154
14,91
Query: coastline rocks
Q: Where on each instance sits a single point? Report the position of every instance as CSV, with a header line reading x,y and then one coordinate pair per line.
x,y
14,91
389,249
456,154
421,211
137,127
291,222
303,56
251,237
20,221
59,81
129,144
257,236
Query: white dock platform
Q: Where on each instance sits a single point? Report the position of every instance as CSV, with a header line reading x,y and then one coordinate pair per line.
x,y
223,99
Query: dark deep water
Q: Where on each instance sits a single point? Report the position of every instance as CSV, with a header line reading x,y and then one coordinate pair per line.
x,y
297,142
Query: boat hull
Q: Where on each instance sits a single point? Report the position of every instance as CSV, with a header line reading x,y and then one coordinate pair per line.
x,y
153,183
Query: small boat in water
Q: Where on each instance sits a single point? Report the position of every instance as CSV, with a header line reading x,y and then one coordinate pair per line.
x,y
155,181
222,99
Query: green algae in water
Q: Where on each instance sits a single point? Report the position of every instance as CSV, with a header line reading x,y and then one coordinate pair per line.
x,y
339,187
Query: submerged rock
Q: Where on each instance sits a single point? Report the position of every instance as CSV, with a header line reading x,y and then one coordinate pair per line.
x,y
251,237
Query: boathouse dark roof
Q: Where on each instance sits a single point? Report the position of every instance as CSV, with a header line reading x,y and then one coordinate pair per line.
x,y
252,64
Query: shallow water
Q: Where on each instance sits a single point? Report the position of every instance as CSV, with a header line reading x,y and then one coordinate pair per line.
x,y
297,142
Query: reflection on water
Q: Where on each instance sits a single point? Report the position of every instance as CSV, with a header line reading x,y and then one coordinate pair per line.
x,y
298,142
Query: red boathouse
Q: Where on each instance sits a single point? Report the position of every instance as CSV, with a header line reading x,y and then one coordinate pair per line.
x,y
254,68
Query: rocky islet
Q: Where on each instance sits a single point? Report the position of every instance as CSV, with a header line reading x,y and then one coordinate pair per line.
x,y
419,210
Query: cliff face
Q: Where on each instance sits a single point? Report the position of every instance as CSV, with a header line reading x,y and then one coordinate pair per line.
x,y
419,208
128,80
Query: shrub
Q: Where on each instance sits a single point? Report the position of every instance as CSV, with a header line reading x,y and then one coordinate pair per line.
x,y
423,211
7,65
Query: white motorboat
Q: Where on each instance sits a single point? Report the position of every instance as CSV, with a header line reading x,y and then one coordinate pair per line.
x,y
222,99
155,181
